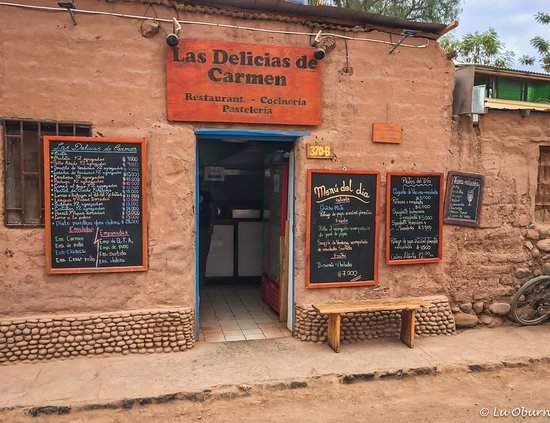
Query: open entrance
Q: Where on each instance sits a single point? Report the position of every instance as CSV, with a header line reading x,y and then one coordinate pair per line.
x,y
244,238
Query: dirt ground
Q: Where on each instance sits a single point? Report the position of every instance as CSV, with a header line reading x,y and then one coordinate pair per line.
x,y
448,397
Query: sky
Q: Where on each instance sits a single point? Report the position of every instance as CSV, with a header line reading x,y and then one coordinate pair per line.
x,y
512,19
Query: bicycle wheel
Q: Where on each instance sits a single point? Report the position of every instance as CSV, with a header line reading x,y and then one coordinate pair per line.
x,y
531,304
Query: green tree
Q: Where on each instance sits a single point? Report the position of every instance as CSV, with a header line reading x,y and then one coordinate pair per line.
x,y
416,10
541,44
483,48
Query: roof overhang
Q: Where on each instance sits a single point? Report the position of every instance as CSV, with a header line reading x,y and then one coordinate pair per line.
x,y
500,104
327,15
505,72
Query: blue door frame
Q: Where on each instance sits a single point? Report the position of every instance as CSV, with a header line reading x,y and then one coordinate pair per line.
x,y
224,134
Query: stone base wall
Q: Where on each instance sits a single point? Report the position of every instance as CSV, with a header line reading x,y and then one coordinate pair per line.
x,y
430,321
142,331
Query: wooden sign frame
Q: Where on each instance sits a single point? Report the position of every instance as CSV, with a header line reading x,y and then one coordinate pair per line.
x,y
337,284
241,81
387,132
451,221
47,205
439,257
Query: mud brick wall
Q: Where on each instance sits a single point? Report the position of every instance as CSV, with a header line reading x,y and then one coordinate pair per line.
x,y
430,321
127,78
95,334
488,264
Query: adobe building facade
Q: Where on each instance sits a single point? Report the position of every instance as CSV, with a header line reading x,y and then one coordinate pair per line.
x,y
104,73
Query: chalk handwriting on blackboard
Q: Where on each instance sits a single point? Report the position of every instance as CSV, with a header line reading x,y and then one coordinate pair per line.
x,y
463,198
342,228
95,204
413,226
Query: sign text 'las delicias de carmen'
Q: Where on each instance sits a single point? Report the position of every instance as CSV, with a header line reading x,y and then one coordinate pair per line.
x,y
222,81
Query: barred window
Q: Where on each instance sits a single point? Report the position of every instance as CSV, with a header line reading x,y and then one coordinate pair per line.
x,y
542,198
23,167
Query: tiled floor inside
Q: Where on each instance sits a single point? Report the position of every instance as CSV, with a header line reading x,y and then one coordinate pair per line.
x,y
237,313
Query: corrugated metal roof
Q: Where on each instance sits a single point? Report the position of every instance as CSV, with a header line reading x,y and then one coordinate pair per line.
x,y
330,14
519,72
348,19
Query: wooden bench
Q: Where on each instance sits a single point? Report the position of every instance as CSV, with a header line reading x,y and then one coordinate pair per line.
x,y
407,306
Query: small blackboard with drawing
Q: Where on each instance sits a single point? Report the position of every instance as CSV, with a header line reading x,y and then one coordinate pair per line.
x,y
463,199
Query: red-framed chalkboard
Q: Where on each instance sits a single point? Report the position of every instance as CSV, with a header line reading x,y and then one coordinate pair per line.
x,y
342,227
95,193
414,217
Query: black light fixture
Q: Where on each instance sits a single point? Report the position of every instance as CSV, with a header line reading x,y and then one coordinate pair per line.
x,y
173,38
323,45
69,5
406,33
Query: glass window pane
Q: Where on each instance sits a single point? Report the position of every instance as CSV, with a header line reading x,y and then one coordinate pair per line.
x,y
13,173
12,127
83,130
48,128
66,129
32,212
13,181
24,166
31,153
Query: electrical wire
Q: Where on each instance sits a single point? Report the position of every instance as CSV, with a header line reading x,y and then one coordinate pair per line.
x,y
219,25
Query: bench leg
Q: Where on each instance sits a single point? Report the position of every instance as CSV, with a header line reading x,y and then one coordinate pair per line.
x,y
334,321
407,327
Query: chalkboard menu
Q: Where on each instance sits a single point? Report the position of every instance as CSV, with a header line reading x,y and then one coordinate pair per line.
x,y
414,206
95,206
463,197
342,228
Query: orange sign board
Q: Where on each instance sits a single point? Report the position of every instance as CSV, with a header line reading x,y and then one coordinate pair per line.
x,y
225,81
386,132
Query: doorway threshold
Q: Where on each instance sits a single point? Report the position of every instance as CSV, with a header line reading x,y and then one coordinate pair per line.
x,y
236,312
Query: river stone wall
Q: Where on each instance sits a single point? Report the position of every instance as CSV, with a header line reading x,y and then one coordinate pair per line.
x,y
430,321
143,331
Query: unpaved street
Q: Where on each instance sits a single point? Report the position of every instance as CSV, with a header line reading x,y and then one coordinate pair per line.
x,y
448,397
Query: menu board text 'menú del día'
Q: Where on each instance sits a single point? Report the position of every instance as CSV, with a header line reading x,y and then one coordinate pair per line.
x,y
342,228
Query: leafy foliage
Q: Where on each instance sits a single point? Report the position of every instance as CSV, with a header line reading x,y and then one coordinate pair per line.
x,y
527,60
483,48
416,10
541,44
543,18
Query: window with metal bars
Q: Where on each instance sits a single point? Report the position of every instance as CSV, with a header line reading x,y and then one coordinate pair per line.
x,y
542,198
23,167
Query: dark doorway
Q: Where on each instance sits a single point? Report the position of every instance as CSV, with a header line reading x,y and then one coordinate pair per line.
x,y
243,214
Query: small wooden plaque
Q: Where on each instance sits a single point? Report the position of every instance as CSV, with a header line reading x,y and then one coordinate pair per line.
x,y
387,132
319,151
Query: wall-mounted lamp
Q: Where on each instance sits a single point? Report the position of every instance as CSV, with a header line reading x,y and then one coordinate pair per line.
x,y
173,39
323,44
406,33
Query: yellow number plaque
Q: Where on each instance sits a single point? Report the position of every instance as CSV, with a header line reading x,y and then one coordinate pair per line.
x,y
319,151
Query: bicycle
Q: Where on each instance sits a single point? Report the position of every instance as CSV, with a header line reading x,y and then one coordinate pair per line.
x,y
531,304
